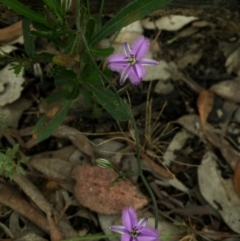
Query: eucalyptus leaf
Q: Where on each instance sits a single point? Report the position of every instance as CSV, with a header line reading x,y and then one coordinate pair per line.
x,y
131,13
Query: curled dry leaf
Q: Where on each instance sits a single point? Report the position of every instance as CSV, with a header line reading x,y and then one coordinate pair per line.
x,y
93,190
229,89
236,179
219,192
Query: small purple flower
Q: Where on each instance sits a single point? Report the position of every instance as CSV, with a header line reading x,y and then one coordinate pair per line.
x,y
132,230
131,63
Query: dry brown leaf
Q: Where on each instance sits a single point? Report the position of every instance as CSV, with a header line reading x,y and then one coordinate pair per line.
x,y
236,179
76,137
153,166
219,192
191,57
205,103
11,32
54,168
229,89
228,152
10,197
191,123
169,23
55,233
13,112
93,190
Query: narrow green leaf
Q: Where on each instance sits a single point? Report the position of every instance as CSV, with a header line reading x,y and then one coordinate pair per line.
x,y
43,57
64,77
53,124
90,28
59,96
131,13
29,41
92,78
111,102
25,11
103,52
39,124
74,92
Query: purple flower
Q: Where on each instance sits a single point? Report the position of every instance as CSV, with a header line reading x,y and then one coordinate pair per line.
x,y
132,230
131,63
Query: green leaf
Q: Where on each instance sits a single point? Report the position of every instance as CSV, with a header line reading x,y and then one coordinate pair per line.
x,y
25,11
40,123
29,41
48,32
20,170
43,57
74,92
89,29
53,124
59,96
92,78
103,52
64,77
83,12
131,13
96,111
111,102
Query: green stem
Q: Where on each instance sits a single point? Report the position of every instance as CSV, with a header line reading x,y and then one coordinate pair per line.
x,y
141,172
93,237
133,122
100,15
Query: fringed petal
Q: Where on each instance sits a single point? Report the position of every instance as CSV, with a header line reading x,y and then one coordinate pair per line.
x,y
140,47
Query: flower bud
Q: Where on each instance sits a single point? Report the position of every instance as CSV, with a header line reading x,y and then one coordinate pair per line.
x,y
66,5
104,163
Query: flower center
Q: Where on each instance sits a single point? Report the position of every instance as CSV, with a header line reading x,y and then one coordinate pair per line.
x,y
134,233
132,60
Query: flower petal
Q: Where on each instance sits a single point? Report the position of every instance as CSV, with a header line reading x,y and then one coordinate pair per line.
x,y
129,218
119,229
127,49
142,222
148,62
125,74
117,62
126,237
136,74
140,47
148,234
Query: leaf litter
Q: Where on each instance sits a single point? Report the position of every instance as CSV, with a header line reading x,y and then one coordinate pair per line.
x,y
189,142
